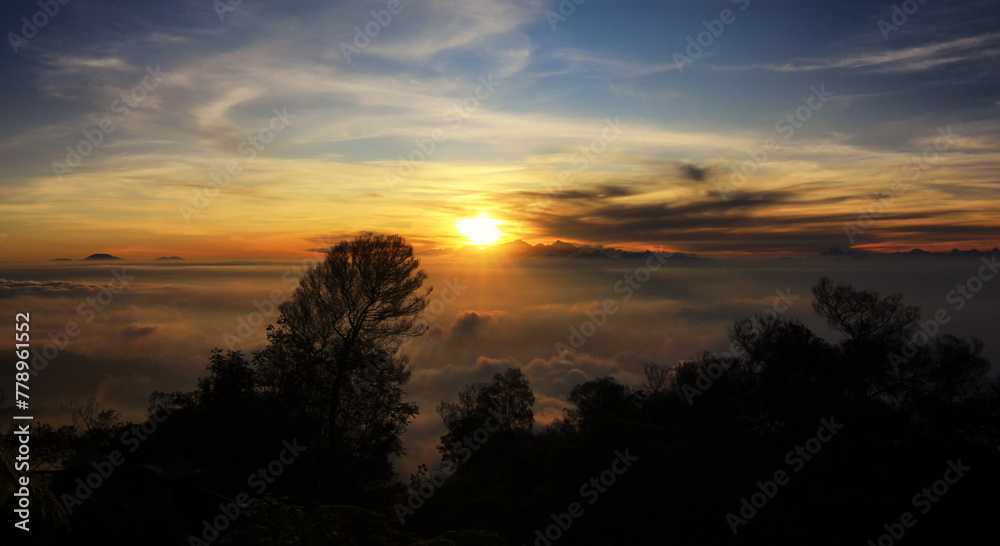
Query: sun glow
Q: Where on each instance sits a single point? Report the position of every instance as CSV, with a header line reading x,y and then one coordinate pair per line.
x,y
480,231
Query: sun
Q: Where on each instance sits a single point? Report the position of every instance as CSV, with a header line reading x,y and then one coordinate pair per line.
x,y
480,231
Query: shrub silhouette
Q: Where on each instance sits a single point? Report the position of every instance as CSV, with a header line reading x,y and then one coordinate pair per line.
x,y
706,431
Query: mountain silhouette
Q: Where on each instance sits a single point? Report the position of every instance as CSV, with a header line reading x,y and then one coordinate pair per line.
x,y
558,249
97,257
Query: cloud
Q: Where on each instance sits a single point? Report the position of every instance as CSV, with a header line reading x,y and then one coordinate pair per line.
x,y
135,331
467,322
707,225
54,289
436,27
693,172
508,314
908,59
603,191
580,62
124,384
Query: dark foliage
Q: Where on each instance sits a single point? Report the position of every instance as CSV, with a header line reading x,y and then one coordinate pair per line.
x,y
663,462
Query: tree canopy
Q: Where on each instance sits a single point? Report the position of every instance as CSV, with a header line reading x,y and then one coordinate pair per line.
x,y
700,435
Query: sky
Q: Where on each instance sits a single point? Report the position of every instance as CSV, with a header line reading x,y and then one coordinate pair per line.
x,y
245,136
603,123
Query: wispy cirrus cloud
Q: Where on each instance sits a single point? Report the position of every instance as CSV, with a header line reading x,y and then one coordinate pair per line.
x,y
355,120
436,27
909,59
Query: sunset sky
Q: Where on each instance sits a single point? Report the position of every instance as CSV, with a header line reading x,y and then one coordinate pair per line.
x,y
247,138
512,93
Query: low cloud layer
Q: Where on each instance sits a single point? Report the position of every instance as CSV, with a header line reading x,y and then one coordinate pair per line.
x,y
158,333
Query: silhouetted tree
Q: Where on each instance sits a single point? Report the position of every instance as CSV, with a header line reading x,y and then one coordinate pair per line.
x,y
712,429
599,400
861,314
332,356
99,427
231,381
707,432
506,401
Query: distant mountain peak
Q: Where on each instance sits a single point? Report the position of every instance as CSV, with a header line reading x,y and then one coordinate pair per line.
x,y
558,249
913,252
96,257
517,246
